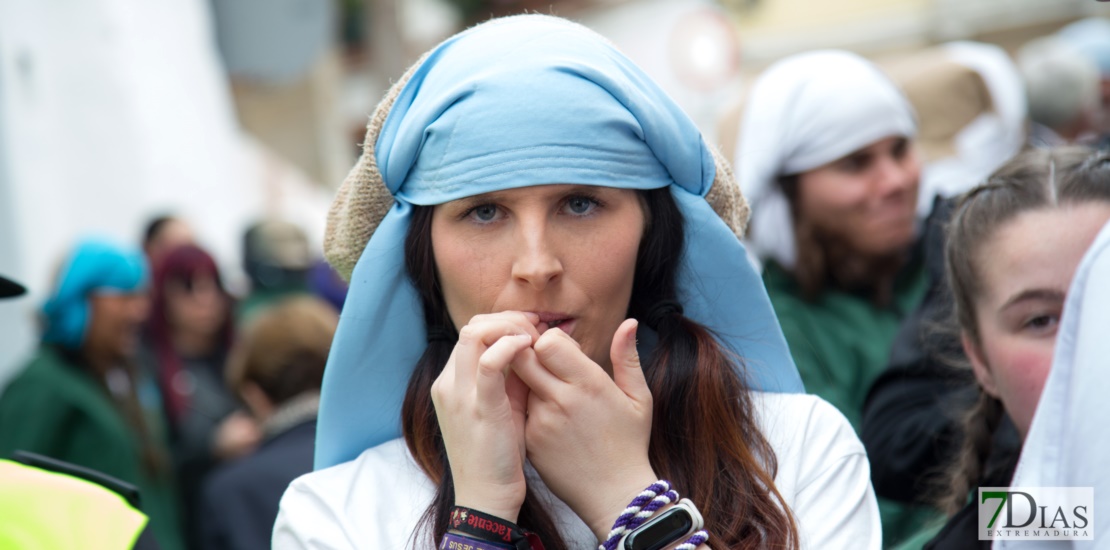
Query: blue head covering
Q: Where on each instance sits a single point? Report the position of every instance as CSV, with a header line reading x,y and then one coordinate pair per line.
x,y
515,102
94,266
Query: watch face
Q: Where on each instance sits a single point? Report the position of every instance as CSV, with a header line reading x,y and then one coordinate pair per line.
x,y
662,531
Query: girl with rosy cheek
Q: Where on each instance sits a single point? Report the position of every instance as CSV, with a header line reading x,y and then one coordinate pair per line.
x,y
1013,247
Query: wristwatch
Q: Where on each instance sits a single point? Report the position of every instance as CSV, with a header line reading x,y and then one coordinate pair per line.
x,y
672,525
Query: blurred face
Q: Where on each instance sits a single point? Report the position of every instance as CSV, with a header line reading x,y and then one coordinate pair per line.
x,y
114,324
1026,268
197,305
173,234
566,252
866,199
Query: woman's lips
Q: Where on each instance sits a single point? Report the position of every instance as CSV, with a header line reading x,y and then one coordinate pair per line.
x,y
563,321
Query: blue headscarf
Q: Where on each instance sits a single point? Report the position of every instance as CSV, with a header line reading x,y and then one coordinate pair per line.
x,y
94,266
516,102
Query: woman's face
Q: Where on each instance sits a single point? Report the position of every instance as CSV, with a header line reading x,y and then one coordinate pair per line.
x,y
115,320
866,199
174,233
1025,269
197,305
566,252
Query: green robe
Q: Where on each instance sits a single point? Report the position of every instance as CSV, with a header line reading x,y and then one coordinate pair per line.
x,y
57,409
841,343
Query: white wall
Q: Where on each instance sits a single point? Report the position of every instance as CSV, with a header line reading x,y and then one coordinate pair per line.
x,y
112,111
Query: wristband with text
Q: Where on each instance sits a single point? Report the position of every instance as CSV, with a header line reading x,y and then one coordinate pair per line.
x,y
452,541
491,528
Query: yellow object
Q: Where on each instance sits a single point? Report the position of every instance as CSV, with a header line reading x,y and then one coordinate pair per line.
x,y
43,510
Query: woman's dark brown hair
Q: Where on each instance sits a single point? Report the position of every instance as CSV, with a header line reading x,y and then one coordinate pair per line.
x,y
726,467
1035,179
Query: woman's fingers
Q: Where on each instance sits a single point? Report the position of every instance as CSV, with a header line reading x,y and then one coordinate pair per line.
x,y
627,371
492,367
563,357
539,380
481,333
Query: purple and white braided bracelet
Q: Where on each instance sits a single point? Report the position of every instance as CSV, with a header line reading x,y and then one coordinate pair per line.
x,y
647,497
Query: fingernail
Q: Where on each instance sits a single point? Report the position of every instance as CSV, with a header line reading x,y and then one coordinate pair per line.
x,y
632,333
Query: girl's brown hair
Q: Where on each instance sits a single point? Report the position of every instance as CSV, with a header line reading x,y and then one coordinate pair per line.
x,y
1035,179
704,437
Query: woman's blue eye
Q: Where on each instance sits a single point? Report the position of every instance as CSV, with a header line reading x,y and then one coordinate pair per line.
x,y
485,212
580,205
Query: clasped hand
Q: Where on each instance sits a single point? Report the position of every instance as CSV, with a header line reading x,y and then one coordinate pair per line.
x,y
509,393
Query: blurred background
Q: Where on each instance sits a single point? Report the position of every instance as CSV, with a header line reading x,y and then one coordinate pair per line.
x,y
224,113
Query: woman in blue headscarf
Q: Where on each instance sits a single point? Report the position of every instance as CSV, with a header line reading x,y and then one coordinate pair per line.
x,y
532,215
77,398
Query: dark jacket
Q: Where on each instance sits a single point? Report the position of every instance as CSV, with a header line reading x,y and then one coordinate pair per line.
x,y
962,530
911,417
240,500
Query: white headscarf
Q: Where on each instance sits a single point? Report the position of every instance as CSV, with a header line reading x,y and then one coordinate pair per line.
x,y
1066,445
804,112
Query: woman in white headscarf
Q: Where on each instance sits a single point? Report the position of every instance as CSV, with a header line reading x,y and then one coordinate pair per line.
x,y
826,156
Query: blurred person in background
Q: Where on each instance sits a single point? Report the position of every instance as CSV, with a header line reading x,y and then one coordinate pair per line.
x,y
971,114
325,282
187,342
277,259
826,153
971,106
1064,91
163,234
1091,36
47,503
276,368
76,400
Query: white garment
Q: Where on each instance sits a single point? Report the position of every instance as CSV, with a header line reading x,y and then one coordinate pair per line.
x,y
804,112
1066,445
376,500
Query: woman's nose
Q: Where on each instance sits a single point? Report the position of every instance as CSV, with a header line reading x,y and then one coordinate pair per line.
x,y
896,175
537,262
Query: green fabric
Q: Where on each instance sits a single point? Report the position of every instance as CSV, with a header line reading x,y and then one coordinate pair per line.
x,y
905,526
56,409
841,343
43,510
918,540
